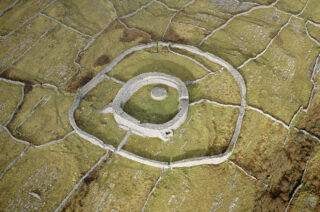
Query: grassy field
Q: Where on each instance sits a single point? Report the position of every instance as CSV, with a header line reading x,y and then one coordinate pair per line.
x,y
314,31
312,11
220,87
205,188
308,196
291,6
259,143
289,166
59,48
9,150
245,36
116,37
310,120
207,131
175,4
197,20
144,108
89,118
56,47
50,172
204,61
259,1
180,32
9,100
20,41
25,9
124,7
262,152
157,14
43,116
118,184
157,60
85,16
278,82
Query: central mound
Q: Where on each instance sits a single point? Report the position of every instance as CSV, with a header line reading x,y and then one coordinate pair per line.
x,y
159,93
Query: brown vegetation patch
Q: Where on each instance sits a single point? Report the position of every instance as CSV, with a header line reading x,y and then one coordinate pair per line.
x,y
273,34
102,60
79,81
287,177
113,26
84,188
312,121
84,80
130,35
171,35
278,41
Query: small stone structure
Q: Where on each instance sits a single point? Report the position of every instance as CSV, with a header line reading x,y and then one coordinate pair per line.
x,y
159,93
163,131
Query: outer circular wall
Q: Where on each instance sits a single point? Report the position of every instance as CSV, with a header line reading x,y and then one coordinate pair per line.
x,y
163,131
214,159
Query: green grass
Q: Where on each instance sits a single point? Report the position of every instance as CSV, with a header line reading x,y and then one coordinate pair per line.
x,y
305,200
116,37
245,36
89,118
4,4
278,82
209,15
314,31
9,150
85,16
312,12
259,144
220,87
142,107
103,126
156,14
13,18
103,94
175,4
43,116
259,1
310,120
307,196
52,60
207,131
10,97
157,60
291,6
125,7
205,188
179,32
51,172
117,184
312,175
20,41
288,168
204,61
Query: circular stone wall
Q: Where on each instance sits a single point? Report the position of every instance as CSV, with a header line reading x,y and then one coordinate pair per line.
x,y
213,159
163,131
159,93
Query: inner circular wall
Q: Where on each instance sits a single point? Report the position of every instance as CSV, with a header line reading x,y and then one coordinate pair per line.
x,y
163,131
